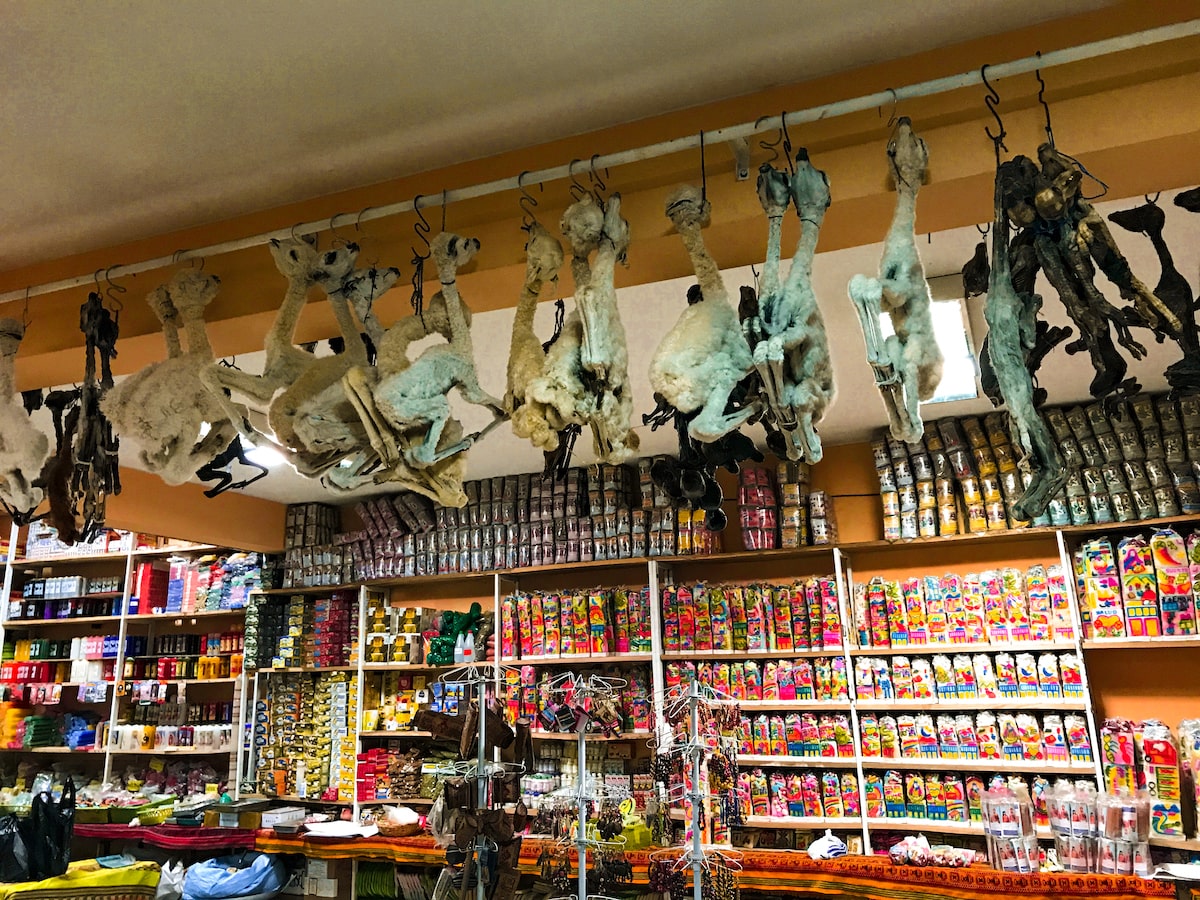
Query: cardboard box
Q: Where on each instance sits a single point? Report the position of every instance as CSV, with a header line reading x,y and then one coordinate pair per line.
x,y
282,815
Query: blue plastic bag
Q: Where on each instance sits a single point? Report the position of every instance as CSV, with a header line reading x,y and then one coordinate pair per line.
x,y
234,876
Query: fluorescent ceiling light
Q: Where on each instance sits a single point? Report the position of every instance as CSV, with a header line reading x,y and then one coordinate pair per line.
x,y
265,456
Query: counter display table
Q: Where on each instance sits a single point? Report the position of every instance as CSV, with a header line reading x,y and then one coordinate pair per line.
x,y
791,871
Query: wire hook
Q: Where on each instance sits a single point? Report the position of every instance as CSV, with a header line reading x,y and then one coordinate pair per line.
x,y
358,219
895,102
108,292
984,229
25,309
772,146
528,202
787,143
598,184
992,101
444,193
577,190
703,172
421,227
1154,201
1041,98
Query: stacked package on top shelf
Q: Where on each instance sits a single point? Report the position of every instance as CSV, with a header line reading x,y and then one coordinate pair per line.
x,y
206,583
512,522
759,508
995,606
1141,463
287,632
1148,588
575,624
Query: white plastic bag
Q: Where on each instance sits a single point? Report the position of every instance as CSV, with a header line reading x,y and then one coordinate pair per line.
x,y
170,883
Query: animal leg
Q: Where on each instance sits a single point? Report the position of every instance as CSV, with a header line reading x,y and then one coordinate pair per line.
x,y
359,390
867,294
906,400
712,422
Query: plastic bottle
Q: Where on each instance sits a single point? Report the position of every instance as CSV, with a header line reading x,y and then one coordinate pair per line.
x,y
459,649
469,647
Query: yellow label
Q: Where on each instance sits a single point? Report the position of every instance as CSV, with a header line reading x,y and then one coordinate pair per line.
x,y
157,764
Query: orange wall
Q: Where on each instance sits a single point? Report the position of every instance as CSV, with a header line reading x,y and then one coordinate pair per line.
x,y
148,504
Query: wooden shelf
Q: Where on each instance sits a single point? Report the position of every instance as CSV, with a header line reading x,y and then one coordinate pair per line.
x,y
613,658
1143,643
414,735
918,825
69,560
1174,843
288,592
152,552
415,668
823,705
398,801
58,749
800,762
592,736
727,655
982,704
226,680
304,670
288,798
981,765
177,751
753,556
196,614
804,823
52,623
948,649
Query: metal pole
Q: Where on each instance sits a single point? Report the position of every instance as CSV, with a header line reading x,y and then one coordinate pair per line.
x,y
581,834
653,151
697,795
481,779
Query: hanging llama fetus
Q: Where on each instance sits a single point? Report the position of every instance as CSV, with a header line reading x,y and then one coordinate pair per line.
x,y
1173,289
908,365
603,356
1011,340
530,419
410,409
304,266
704,357
177,423
24,449
597,397
313,417
791,352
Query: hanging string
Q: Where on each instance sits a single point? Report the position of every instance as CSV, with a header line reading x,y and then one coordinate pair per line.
x,y
703,173
560,314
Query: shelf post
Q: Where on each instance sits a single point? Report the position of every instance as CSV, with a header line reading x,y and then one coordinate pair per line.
x,y
844,573
1068,565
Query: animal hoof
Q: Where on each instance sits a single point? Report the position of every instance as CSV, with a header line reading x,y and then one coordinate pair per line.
x,y
712,497
693,483
715,520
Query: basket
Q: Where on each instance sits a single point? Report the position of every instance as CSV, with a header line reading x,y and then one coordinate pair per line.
x,y
91,815
399,831
147,813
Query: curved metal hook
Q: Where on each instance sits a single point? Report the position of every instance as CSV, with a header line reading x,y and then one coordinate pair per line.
x,y
421,227
1041,98
112,286
333,228
527,202
772,146
984,229
598,184
576,190
293,231
96,279
25,310
703,171
787,142
895,102
175,259
1154,201
358,220
992,101
444,193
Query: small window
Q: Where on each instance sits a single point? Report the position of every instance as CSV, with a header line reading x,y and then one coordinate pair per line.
x,y
952,329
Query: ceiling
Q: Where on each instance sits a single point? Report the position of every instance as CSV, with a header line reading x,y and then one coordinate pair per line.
x,y
137,117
